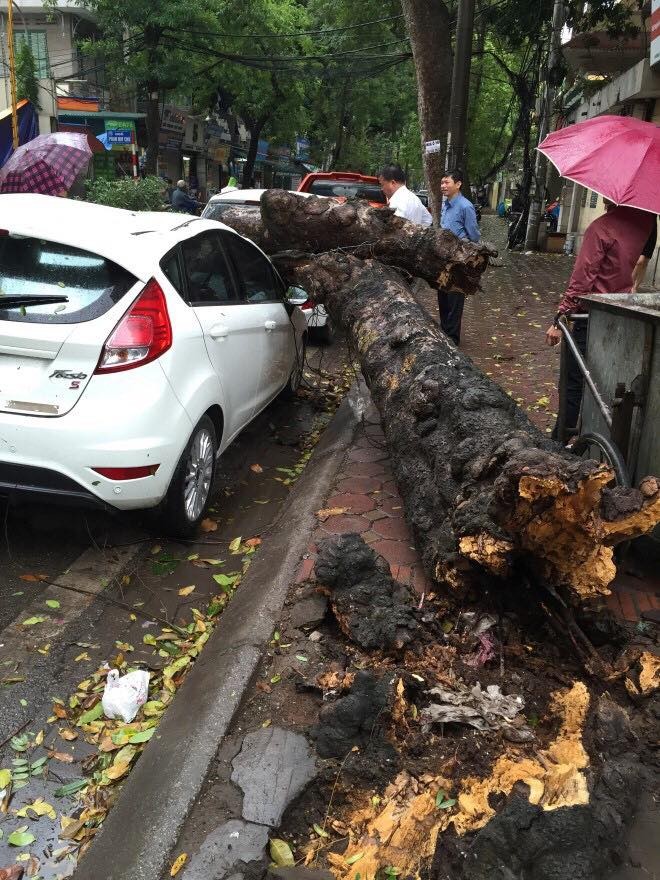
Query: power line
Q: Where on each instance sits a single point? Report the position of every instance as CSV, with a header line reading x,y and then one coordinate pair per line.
x,y
321,32
255,60
271,63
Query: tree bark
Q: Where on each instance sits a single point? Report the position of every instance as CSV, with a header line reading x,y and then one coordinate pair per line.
x,y
341,127
489,498
487,495
152,39
429,29
315,224
153,128
256,126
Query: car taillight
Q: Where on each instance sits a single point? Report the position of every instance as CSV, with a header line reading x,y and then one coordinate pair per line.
x,y
142,335
127,473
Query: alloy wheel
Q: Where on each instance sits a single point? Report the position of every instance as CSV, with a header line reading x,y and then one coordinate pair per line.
x,y
199,473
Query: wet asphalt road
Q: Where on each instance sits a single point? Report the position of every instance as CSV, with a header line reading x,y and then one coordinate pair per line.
x,y
38,539
41,539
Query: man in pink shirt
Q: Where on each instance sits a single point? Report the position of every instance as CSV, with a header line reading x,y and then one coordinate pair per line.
x,y
610,249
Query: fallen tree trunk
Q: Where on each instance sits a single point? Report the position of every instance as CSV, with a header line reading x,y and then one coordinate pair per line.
x,y
487,495
314,225
485,492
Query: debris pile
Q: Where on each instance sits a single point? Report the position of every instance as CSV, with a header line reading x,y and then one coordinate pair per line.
x,y
457,757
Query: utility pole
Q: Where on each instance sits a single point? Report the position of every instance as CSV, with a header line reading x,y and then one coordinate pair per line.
x,y
12,72
460,86
541,163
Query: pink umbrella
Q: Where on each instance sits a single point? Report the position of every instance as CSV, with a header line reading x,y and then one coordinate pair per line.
x,y
616,156
48,164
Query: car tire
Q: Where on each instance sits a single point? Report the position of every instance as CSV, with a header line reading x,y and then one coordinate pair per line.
x,y
326,333
295,379
189,494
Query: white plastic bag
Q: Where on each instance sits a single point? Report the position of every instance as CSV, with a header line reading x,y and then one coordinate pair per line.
x,y
123,696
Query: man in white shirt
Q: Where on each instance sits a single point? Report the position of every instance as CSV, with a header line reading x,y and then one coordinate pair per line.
x,y
392,181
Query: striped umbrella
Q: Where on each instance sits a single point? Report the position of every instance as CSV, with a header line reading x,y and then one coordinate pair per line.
x,y
48,164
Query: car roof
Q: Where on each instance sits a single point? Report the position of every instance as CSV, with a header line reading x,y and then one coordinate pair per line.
x,y
241,196
343,176
135,240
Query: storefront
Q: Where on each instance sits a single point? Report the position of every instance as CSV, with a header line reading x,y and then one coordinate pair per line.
x,y
124,132
170,138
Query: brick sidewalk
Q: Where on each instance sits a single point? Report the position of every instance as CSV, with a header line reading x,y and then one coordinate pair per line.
x,y
365,487
504,326
503,333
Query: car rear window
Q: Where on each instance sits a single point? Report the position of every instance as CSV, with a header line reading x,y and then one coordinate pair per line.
x,y
32,267
348,190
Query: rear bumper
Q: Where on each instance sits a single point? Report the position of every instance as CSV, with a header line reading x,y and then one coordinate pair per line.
x,y
44,485
122,420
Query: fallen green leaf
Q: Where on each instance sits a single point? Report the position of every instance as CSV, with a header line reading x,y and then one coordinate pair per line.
x,y
92,714
280,853
351,860
71,788
142,736
225,580
52,603
33,621
21,838
442,802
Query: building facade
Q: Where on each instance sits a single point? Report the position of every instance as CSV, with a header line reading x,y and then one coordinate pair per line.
x,y
619,77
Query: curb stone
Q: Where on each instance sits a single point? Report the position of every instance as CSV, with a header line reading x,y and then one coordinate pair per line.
x,y
143,827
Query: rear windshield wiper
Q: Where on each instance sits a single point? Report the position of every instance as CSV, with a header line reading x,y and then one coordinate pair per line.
x,y
11,302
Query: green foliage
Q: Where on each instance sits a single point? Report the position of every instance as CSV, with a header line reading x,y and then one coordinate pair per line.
x,y
27,84
363,100
144,194
141,40
493,111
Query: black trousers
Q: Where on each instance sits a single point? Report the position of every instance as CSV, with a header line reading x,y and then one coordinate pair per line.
x,y
450,306
574,380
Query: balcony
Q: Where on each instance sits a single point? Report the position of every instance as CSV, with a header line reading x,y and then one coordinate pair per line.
x,y
598,54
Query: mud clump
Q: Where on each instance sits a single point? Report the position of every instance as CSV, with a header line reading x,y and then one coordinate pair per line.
x,y
354,720
372,609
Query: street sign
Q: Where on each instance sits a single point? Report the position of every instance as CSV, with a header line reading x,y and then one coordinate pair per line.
x,y
432,147
120,132
655,33
119,136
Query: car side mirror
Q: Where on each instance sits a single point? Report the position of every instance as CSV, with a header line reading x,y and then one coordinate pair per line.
x,y
296,296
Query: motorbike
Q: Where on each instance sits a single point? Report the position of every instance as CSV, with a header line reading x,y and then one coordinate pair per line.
x,y
516,228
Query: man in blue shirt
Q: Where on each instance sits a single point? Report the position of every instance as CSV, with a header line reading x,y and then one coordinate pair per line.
x,y
459,217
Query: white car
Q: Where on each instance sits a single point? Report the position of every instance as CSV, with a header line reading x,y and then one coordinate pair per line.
x,y
318,319
133,348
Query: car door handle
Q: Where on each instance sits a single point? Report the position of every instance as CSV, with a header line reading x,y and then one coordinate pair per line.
x,y
218,331
270,325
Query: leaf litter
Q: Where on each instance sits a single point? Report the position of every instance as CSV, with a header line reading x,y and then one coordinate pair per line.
x,y
84,802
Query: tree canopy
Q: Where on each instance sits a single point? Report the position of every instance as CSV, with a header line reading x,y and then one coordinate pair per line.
x,y
340,74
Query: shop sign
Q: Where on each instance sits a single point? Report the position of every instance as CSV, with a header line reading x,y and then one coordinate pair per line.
x,y
262,150
173,121
220,154
194,138
120,132
302,149
655,33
